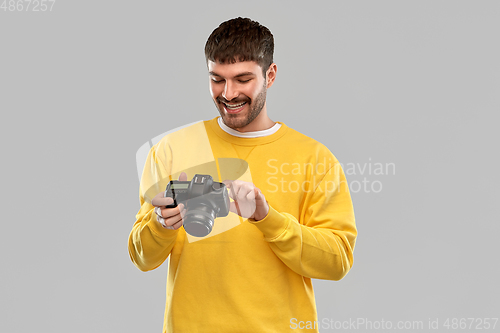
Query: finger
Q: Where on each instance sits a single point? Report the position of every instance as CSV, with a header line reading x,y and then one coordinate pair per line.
x,y
161,220
157,197
251,195
243,192
259,196
174,219
183,177
230,188
166,226
161,201
234,190
177,225
233,207
169,212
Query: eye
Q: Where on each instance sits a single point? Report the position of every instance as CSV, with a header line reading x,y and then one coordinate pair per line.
x,y
244,81
217,81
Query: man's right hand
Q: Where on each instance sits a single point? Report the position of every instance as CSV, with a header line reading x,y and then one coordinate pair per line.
x,y
169,218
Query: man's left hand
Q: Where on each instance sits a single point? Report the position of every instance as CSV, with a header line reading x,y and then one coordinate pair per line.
x,y
249,202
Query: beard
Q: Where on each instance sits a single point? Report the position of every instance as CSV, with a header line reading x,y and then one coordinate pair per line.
x,y
240,120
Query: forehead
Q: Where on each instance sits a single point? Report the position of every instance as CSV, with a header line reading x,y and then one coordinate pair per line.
x,y
231,70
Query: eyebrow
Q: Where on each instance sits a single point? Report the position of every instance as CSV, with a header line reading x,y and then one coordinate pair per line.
x,y
238,75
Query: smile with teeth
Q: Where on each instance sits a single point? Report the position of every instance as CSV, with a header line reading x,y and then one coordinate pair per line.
x,y
234,106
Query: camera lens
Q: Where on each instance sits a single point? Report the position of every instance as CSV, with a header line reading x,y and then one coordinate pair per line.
x,y
199,220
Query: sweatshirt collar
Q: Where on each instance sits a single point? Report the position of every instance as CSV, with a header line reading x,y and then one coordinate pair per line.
x,y
248,141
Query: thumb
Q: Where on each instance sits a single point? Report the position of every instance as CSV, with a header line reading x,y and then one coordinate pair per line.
x,y
183,177
233,207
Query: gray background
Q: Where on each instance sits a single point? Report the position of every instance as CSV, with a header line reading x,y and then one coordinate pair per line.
x,y
414,83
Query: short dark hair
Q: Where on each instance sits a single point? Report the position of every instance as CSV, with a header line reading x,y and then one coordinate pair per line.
x,y
241,39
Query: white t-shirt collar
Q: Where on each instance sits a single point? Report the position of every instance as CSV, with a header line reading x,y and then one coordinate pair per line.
x,y
255,134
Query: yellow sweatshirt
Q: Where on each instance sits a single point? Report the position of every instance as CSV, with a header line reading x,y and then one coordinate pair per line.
x,y
247,275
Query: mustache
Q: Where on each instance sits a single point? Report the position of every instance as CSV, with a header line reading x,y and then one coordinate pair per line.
x,y
234,101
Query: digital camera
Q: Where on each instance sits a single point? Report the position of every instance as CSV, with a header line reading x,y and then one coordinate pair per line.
x,y
204,200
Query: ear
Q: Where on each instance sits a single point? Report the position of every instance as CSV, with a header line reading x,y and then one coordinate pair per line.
x,y
271,74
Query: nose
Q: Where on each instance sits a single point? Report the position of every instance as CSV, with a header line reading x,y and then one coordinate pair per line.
x,y
230,91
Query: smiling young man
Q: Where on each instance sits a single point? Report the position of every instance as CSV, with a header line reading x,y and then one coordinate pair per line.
x,y
291,216
239,93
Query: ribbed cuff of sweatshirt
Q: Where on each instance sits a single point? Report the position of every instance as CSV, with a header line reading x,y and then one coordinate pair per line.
x,y
273,225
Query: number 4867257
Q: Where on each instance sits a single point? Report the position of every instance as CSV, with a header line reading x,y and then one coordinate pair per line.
x,y
27,5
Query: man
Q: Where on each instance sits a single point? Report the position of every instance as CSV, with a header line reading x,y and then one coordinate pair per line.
x,y
291,216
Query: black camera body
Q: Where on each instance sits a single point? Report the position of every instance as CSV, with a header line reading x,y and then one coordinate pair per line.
x,y
204,200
